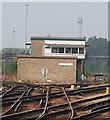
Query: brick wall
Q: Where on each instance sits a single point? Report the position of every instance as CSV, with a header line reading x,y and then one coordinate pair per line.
x,y
29,69
37,48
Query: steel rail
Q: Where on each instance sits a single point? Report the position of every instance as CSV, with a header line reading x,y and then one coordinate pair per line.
x,y
79,101
57,113
67,111
91,114
38,97
98,97
46,104
17,106
95,104
20,102
15,103
100,107
57,94
35,85
29,91
73,91
41,101
22,114
52,114
13,94
8,92
79,107
49,108
13,83
11,100
69,102
108,118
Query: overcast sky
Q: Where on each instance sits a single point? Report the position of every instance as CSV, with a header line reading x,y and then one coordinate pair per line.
x,y
57,18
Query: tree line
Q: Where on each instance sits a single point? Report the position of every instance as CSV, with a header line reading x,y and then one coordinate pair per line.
x,y
96,47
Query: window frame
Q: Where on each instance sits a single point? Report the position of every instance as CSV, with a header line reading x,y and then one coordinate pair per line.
x,y
56,50
74,52
80,51
68,52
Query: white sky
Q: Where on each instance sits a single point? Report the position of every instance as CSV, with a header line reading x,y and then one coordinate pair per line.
x,y
57,18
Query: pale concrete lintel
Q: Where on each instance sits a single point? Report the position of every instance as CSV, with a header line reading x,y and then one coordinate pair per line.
x,y
67,64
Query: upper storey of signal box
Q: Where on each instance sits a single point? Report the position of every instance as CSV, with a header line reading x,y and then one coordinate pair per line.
x,y
58,46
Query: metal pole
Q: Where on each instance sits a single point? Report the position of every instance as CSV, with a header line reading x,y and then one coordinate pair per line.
x,y
26,27
13,51
13,40
4,68
80,20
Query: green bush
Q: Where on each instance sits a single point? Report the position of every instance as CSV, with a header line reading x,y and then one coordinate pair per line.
x,y
106,82
10,67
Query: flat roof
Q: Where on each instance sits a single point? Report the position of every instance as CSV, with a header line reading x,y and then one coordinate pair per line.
x,y
47,57
63,45
59,38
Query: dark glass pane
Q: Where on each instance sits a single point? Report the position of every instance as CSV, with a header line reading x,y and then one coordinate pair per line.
x,y
61,50
54,50
81,50
75,50
68,50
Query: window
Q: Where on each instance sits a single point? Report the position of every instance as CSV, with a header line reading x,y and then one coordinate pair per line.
x,y
81,50
61,50
54,49
47,50
75,50
68,50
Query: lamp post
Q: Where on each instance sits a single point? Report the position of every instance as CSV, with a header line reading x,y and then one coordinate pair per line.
x,y
26,26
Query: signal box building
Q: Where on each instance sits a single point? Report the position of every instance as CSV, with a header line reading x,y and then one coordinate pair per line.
x,y
53,59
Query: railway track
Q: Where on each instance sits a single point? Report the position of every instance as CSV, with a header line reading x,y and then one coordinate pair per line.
x,y
56,94
55,102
